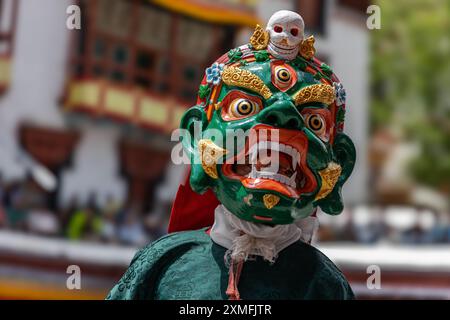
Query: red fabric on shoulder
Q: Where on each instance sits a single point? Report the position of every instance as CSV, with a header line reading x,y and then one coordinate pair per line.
x,y
190,210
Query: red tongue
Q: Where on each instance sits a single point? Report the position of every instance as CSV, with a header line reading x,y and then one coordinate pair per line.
x,y
283,159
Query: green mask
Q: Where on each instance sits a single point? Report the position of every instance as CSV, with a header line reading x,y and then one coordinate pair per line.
x,y
266,136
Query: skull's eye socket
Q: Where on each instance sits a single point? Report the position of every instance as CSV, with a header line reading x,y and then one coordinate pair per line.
x,y
294,32
278,29
283,75
315,123
240,108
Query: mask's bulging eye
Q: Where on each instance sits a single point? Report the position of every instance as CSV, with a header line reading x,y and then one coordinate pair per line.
x,y
294,32
238,105
316,123
242,107
319,122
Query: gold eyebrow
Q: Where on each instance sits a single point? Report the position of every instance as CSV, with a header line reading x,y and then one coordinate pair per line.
x,y
323,93
234,76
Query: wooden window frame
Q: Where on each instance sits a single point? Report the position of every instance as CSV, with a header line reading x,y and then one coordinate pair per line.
x,y
85,62
7,36
359,6
319,7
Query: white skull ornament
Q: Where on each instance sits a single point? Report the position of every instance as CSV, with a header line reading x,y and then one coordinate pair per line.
x,y
286,30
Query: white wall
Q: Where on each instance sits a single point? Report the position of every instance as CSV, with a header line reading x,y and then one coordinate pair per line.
x,y
349,57
39,72
266,8
95,166
37,76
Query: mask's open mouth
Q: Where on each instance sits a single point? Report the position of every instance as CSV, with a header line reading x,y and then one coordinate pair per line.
x,y
273,164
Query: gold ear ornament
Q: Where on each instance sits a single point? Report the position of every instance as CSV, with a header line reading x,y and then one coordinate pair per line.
x,y
210,154
330,176
260,38
307,49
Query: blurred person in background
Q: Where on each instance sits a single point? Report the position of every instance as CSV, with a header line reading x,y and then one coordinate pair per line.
x,y
42,221
14,202
67,213
440,231
40,217
157,218
85,223
413,235
131,230
92,203
3,218
155,225
2,188
110,211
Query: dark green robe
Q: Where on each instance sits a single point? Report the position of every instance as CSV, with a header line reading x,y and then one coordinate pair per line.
x,y
189,265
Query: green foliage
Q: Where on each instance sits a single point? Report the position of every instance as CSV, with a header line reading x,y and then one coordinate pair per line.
x,y
243,63
234,54
204,91
261,56
411,81
300,63
318,76
326,69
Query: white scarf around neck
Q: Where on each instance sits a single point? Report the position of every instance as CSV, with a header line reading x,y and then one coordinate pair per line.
x,y
245,240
